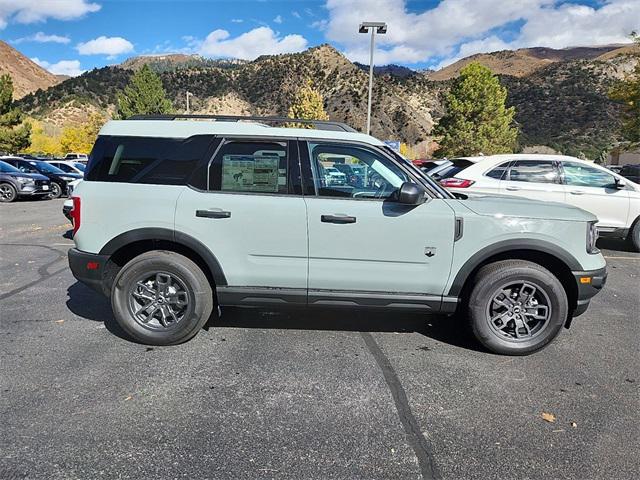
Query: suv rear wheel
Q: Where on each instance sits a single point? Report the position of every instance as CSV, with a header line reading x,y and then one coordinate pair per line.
x,y
161,298
634,236
516,307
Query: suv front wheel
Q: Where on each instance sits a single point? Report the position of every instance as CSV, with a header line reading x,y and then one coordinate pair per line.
x,y
516,307
161,298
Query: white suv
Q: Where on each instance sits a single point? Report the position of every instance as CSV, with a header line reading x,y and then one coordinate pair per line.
x,y
612,198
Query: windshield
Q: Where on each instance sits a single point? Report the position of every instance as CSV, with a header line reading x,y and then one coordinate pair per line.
x,y
45,167
6,168
79,166
408,164
456,166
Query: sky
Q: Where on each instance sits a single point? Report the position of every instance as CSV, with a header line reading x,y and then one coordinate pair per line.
x,y
72,36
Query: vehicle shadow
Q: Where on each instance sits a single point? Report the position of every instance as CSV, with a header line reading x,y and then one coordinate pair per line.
x,y
616,244
86,303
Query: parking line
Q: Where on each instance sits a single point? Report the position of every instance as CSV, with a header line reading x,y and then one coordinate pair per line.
x,y
625,258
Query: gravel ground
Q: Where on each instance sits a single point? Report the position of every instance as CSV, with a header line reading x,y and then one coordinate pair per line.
x,y
300,394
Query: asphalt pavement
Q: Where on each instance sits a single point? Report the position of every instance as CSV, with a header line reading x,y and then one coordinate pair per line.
x,y
300,394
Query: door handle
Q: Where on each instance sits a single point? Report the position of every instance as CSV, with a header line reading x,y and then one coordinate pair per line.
x,y
576,192
339,219
213,214
511,188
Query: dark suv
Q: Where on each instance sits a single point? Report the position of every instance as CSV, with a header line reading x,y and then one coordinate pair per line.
x,y
14,184
631,172
59,179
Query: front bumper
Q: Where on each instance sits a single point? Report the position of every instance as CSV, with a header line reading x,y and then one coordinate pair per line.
x,y
89,268
589,284
34,190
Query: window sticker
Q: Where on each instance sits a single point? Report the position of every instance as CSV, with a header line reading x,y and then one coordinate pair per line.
x,y
247,173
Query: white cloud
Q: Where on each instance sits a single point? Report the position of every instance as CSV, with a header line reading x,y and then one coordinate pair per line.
x,y
296,14
63,67
456,28
33,11
110,46
278,19
237,20
41,37
250,45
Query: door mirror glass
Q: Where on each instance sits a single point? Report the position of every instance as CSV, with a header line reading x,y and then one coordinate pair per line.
x,y
410,194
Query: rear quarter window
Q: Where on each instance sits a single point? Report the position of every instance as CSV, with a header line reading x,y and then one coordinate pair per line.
x,y
148,160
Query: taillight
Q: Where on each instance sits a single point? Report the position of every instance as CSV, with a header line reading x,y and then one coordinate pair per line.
x,y
75,214
454,182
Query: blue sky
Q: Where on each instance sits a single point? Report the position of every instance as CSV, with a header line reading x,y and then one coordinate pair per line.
x,y
71,36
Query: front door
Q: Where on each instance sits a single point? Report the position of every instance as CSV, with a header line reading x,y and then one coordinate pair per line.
x,y
253,220
365,248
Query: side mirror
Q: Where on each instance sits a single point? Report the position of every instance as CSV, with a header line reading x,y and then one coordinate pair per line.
x,y
410,194
620,184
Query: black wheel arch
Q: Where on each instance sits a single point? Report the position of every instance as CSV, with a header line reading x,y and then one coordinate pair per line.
x,y
555,259
130,244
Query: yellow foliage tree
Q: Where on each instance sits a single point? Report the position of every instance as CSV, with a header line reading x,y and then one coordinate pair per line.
x,y
308,104
41,141
80,139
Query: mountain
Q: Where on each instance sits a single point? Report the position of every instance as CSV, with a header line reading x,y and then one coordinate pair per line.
x,y
176,61
27,75
523,62
391,70
561,103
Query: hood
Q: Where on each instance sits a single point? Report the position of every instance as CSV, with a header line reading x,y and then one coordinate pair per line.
x,y
506,206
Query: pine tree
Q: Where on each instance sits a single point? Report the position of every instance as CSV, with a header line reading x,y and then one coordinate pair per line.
x,y
144,95
476,119
307,104
15,135
627,92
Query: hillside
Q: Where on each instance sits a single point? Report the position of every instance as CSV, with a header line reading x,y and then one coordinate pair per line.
x,y
27,75
562,103
522,62
176,61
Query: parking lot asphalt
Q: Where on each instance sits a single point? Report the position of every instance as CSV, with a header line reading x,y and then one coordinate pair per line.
x,y
299,394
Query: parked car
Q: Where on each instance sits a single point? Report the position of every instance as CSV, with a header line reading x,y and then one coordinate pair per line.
x,y
608,195
80,157
334,177
355,175
15,184
614,168
69,166
67,206
176,218
60,181
631,172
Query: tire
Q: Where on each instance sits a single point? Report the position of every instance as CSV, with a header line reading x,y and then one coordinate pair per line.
x,y
634,236
8,193
178,280
56,190
487,302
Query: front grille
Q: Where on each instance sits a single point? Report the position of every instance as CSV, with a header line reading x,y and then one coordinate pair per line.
x,y
40,183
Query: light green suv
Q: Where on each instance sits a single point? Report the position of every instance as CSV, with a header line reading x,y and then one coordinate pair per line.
x,y
178,216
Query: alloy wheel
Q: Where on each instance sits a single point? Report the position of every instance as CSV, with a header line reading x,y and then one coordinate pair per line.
x,y
7,193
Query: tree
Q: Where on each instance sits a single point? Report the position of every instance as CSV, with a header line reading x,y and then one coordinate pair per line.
x,y
14,133
144,95
476,119
307,104
81,138
627,92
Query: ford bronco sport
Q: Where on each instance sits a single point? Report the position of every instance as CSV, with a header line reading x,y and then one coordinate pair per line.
x,y
178,216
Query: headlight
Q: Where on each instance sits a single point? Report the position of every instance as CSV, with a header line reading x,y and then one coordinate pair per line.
x,y
592,238
24,180
68,179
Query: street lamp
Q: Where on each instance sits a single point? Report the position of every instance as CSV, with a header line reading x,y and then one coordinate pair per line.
x,y
189,94
374,27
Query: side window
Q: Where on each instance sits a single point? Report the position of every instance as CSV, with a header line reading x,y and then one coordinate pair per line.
x,y
163,161
354,172
63,166
498,172
258,167
534,171
580,175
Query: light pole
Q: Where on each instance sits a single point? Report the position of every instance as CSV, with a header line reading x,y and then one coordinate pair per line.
x,y
188,95
375,27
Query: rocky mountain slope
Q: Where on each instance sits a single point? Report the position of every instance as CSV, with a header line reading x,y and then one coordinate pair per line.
x,y
560,99
27,75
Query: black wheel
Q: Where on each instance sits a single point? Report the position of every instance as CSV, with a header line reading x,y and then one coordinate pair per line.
x,y
56,190
161,298
516,307
634,236
7,193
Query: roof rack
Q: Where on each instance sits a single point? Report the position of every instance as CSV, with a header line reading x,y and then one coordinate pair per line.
x,y
319,124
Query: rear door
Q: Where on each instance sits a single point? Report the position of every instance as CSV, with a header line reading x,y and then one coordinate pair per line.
x,y
536,179
594,190
362,244
251,215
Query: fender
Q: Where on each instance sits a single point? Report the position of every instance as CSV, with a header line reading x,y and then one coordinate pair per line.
x,y
505,246
174,236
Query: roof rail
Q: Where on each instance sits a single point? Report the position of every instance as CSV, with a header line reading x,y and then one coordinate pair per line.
x,y
319,124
